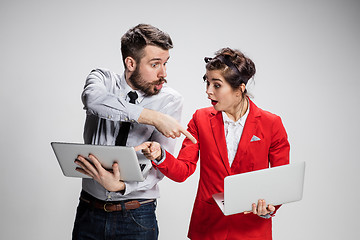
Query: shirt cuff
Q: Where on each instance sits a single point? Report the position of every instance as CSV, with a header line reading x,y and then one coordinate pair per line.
x,y
267,216
128,189
163,154
134,111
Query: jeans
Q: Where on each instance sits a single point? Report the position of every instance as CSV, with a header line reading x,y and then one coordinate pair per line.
x,y
135,224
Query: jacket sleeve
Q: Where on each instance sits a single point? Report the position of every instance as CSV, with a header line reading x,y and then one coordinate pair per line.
x,y
280,147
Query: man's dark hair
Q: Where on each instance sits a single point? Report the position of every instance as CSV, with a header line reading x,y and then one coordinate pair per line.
x,y
137,38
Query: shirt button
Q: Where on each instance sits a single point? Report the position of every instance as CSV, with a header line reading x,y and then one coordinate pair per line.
x,y
109,117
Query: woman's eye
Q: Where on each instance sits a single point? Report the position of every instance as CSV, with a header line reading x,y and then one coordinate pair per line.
x,y
217,85
155,65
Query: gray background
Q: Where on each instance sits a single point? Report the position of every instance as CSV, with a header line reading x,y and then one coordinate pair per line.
x,y
307,58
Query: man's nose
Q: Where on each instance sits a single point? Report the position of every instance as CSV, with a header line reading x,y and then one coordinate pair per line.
x,y
162,72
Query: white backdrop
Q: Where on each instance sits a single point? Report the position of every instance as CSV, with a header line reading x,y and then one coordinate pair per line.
x,y
307,58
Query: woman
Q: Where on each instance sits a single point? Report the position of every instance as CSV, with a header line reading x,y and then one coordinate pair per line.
x,y
234,136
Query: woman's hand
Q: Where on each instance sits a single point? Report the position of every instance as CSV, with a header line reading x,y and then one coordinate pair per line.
x,y
109,180
261,208
151,150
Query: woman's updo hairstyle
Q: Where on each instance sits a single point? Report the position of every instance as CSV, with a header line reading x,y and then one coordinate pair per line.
x,y
236,67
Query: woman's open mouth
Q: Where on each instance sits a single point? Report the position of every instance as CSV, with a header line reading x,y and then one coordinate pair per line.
x,y
213,102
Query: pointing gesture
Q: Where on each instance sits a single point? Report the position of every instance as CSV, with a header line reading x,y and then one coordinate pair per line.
x,y
165,124
151,150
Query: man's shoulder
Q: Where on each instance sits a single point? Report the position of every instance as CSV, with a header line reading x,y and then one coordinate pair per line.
x,y
167,90
104,72
168,94
167,97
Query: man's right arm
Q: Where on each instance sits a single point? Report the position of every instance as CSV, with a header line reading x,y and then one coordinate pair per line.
x,y
164,123
99,101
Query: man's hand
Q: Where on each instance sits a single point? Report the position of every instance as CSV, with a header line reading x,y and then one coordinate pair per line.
x,y
151,150
109,180
164,123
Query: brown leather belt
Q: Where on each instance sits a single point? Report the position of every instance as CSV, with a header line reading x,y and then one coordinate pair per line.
x,y
114,206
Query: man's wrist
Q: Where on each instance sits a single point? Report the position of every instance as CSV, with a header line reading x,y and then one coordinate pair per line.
x,y
149,117
122,187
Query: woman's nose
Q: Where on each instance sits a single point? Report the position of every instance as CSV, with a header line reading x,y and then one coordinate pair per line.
x,y
209,90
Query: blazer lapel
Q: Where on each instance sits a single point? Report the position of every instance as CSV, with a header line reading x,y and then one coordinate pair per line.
x,y
247,134
217,127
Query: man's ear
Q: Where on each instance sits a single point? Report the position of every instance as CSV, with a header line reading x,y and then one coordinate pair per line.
x,y
130,64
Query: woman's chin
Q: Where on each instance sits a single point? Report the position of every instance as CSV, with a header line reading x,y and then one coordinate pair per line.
x,y
216,107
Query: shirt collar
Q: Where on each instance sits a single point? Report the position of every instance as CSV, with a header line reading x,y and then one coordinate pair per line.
x,y
241,121
125,89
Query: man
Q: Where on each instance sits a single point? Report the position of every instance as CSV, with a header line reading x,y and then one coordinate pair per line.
x,y
110,208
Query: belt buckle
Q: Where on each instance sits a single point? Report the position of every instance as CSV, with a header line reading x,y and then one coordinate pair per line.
x,y
106,205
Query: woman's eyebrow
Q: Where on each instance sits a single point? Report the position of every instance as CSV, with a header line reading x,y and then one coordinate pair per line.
x,y
217,79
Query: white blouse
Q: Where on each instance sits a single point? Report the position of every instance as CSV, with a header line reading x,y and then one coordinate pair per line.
x,y
233,132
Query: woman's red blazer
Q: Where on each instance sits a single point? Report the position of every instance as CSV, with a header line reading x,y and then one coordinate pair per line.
x,y
263,143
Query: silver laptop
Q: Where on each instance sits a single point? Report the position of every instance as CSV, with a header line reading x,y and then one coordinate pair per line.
x,y
133,166
277,185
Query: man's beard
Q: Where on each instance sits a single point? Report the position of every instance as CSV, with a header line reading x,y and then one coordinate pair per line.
x,y
147,87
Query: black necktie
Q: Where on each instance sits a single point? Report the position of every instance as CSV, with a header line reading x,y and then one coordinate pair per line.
x,y
125,126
